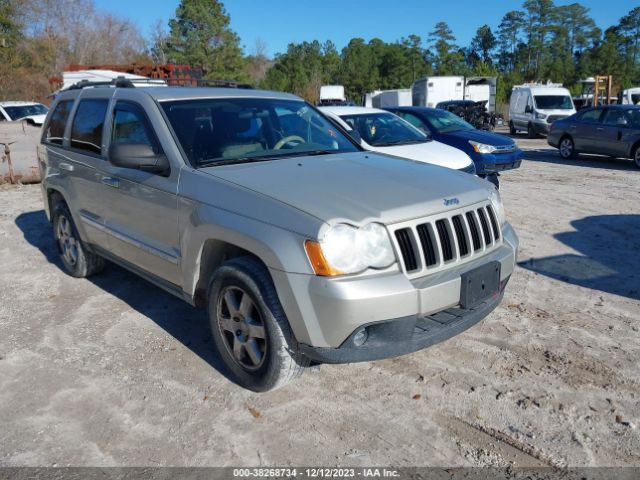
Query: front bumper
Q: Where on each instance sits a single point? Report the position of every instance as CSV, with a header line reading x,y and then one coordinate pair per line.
x,y
494,163
541,127
324,312
405,335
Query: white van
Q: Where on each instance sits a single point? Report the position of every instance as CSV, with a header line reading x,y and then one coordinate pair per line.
x,y
533,108
630,96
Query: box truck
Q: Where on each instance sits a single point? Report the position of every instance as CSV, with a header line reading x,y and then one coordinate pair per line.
x,y
332,95
481,89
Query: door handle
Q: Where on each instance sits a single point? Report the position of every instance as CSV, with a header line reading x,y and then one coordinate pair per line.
x,y
600,129
110,182
66,166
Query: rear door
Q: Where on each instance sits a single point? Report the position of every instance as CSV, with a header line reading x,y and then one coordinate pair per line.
x,y
142,220
78,155
612,133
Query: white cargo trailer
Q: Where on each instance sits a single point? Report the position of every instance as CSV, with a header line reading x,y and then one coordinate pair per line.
x,y
392,98
429,91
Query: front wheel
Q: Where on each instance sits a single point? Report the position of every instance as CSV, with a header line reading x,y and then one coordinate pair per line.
x,y
249,327
567,148
531,132
636,156
512,128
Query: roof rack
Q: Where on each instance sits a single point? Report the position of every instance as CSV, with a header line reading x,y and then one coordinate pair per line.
x,y
123,82
118,82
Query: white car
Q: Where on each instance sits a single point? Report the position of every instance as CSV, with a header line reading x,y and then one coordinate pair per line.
x,y
384,132
32,112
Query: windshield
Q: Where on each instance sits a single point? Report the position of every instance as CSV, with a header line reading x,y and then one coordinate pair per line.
x,y
447,122
554,102
384,129
237,130
21,111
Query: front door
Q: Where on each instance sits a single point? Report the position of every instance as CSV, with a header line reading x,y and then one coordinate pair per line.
x,y
142,219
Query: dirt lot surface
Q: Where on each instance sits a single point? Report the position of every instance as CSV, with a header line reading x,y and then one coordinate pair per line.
x,y
113,371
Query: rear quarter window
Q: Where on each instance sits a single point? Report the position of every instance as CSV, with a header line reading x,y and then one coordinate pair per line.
x,y
88,123
54,133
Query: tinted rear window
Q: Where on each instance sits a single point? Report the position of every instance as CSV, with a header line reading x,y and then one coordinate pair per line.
x,y
86,131
55,128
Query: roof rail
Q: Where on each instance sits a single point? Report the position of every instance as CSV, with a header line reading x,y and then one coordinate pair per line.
x,y
123,82
118,82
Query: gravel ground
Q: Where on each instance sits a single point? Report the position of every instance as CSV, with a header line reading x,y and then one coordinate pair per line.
x,y
114,372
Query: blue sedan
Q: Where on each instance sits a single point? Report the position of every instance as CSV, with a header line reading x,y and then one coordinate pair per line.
x,y
491,153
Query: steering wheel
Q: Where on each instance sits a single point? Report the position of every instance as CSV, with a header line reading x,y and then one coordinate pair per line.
x,y
283,141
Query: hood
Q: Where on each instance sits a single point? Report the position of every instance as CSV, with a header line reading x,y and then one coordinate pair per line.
x,y
565,112
432,152
480,136
36,119
357,187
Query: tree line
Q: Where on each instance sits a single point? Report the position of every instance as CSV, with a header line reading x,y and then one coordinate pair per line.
x,y
539,42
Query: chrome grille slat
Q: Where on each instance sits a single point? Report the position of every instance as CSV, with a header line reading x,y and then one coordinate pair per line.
x,y
435,243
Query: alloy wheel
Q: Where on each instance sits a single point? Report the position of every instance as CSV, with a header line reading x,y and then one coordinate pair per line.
x,y
242,328
566,148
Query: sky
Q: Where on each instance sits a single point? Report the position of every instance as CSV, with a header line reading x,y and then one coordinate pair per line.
x,y
280,22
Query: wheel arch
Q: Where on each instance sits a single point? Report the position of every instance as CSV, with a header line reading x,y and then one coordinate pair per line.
x,y
215,252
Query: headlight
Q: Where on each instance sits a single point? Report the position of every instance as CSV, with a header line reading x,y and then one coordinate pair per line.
x,y
498,208
482,147
541,116
347,249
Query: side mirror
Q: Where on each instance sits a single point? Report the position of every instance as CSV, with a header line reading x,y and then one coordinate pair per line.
x,y
528,109
622,122
139,156
355,134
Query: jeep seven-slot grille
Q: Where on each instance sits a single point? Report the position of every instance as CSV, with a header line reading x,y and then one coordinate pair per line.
x,y
432,243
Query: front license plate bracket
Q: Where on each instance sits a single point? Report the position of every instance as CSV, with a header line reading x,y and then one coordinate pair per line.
x,y
479,284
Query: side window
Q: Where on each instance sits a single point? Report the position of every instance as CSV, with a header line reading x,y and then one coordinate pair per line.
x,y
415,121
86,130
614,116
54,133
591,116
129,126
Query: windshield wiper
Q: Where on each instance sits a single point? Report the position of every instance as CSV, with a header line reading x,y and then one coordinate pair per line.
x,y
233,161
402,142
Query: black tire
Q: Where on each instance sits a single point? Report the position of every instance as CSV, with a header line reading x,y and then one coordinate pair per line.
x,y
280,360
495,179
76,258
512,128
566,148
531,132
636,156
